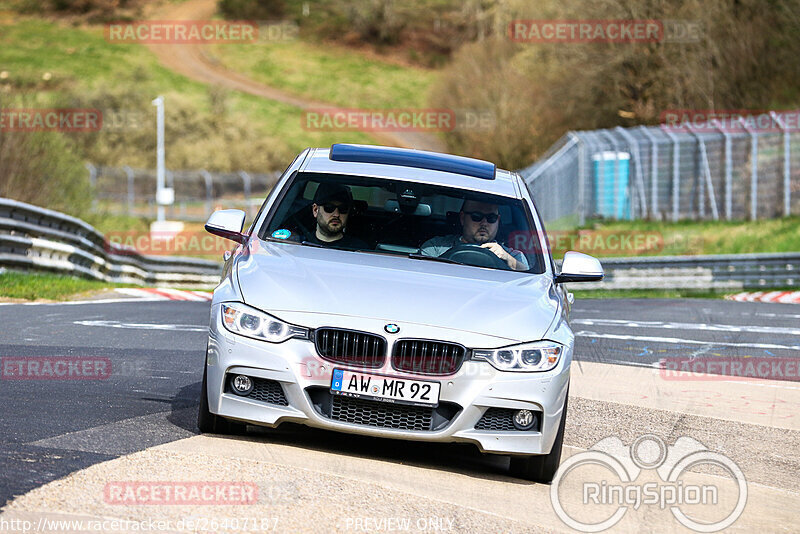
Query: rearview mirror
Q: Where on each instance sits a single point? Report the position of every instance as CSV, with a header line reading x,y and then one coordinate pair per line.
x,y
394,206
579,267
227,224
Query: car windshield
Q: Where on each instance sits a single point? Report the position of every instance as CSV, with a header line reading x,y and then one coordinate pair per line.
x,y
419,221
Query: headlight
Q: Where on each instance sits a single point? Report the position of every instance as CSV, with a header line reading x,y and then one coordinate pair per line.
x,y
246,321
528,357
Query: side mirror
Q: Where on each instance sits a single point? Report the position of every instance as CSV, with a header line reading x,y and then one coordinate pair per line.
x,y
579,267
227,224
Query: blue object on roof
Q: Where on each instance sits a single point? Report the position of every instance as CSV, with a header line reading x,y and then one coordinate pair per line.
x,y
413,158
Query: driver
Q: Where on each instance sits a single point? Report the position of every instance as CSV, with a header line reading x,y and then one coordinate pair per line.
x,y
332,206
479,224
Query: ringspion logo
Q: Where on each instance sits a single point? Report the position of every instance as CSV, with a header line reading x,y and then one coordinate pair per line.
x,y
614,480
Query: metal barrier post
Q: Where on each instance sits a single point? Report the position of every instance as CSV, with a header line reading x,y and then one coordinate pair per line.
x,y
653,170
209,191
171,185
753,170
728,170
707,172
93,183
634,145
787,184
581,178
131,194
247,181
676,177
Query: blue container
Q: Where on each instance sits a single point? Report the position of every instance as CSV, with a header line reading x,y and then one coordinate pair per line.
x,y
611,184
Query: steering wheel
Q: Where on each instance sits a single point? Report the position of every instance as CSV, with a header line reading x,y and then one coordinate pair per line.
x,y
299,230
475,255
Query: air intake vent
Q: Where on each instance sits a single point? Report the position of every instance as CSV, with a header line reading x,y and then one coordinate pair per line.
x,y
350,347
420,356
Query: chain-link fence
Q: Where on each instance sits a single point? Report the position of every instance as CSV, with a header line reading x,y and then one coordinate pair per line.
x,y
197,193
716,170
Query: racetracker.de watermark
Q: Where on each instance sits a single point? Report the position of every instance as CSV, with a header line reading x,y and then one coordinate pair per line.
x,y
55,368
166,243
700,368
590,241
185,524
729,121
396,120
50,120
604,31
593,490
162,493
182,32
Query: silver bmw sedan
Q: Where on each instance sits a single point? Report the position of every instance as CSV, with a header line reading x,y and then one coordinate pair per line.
x,y
395,293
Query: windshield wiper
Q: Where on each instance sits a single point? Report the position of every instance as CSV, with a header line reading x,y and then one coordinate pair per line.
x,y
417,256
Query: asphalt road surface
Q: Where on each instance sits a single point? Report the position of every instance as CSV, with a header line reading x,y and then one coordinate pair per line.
x,y
147,361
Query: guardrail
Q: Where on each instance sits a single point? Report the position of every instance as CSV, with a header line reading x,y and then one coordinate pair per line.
x,y
718,272
37,238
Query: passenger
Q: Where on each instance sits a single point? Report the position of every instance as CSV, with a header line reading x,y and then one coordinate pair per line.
x,y
479,224
332,206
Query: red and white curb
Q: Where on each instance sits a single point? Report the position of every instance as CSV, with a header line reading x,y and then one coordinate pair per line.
x,y
784,297
160,293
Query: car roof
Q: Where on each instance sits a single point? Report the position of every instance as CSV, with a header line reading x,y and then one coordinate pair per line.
x,y
503,184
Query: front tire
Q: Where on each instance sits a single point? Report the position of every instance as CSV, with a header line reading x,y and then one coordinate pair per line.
x,y
210,423
542,468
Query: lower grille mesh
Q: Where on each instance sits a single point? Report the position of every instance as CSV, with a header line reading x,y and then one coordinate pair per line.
x,y
381,414
499,419
264,390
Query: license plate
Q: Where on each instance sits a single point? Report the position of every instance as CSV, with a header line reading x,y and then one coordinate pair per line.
x,y
385,388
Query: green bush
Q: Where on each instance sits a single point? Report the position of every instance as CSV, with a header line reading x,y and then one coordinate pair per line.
x,y
252,9
42,168
91,10
745,58
197,135
484,81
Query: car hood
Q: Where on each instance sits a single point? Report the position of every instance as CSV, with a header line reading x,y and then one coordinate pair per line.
x,y
288,277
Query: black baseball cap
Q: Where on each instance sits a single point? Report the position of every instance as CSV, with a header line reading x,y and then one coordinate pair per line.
x,y
327,192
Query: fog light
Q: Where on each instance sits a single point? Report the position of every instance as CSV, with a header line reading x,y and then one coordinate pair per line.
x,y
242,385
524,420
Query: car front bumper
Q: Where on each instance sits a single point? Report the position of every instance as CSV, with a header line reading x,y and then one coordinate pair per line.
x,y
475,388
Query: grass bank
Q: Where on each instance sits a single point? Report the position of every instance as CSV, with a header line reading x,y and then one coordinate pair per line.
x,y
649,294
329,73
650,238
46,286
53,64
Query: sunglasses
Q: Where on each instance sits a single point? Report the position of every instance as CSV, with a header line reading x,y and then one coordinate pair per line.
x,y
330,208
477,216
